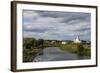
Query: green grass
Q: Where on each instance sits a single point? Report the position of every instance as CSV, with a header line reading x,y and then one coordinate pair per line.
x,y
68,48
72,48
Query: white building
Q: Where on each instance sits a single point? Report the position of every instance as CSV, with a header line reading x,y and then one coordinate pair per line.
x,y
63,42
77,40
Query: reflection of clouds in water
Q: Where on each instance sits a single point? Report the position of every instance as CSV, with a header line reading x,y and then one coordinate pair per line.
x,y
55,54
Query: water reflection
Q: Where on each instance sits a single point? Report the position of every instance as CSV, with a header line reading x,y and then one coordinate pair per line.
x,y
54,54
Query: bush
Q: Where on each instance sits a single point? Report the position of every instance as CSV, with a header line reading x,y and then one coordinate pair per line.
x,y
80,50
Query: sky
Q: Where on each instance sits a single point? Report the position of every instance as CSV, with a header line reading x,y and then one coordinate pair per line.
x,y
56,25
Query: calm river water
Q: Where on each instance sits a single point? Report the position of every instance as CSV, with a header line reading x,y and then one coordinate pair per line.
x,y
54,54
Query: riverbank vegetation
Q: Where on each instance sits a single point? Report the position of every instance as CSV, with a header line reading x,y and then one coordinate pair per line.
x,y
32,47
77,48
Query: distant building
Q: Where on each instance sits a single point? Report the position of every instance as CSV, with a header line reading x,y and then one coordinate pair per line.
x,y
63,42
77,40
53,42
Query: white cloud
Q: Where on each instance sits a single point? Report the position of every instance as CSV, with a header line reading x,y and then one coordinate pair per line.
x,y
29,14
56,25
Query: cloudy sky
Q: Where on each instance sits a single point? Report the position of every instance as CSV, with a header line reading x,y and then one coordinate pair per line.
x,y
56,25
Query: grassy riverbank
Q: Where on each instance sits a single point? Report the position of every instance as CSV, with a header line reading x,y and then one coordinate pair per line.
x,y
74,48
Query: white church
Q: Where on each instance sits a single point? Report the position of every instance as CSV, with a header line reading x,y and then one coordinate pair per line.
x,y
77,40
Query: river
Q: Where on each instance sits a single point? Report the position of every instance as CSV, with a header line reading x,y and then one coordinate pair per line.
x,y
54,54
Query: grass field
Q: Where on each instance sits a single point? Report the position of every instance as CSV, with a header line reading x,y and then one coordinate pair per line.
x,y
73,48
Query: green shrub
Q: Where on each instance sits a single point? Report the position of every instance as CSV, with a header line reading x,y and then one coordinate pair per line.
x,y
80,50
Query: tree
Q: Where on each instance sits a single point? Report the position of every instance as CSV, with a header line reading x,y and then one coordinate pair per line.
x,y
40,43
28,42
80,50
